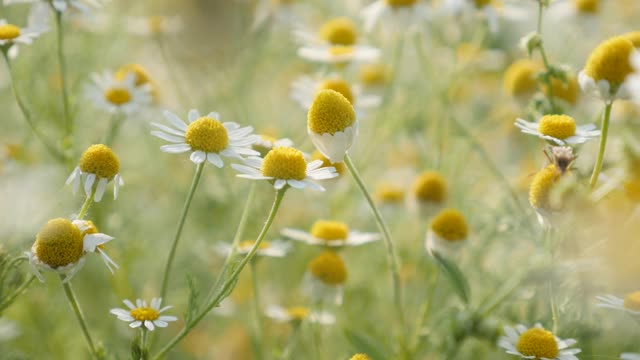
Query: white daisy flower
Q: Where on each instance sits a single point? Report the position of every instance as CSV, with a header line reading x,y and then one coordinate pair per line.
x,y
325,278
62,244
206,137
330,233
395,15
8,330
266,248
117,95
296,314
97,166
267,142
11,36
559,129
448,232
142,315
630,304
630,356
332,124
537,343
154,25
285,166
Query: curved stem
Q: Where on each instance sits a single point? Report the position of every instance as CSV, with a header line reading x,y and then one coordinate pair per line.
x,y
71,297
603,144
176,238
11,298
68,121
256,307
85,206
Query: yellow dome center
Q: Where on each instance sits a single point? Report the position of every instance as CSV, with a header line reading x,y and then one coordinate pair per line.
x,y
329,268
520,78
610,61
317,155
118,96
373,74
156,24
389,193
360,357
339,50
450,225
140,74
330,112
144,314
339,85
208,135
557,126
59,243
330,230
541,187
539,343
298,313
430,186
9,32
632,301
400,3
248,244
285,163
634,37
100,160
587,6
339,31
566,91
632,189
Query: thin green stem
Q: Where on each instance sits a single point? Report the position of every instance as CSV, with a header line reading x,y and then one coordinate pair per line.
x,y
317,334
11,298
425,310
114,129
176,238
85,206
603,144
391,255
550,243
144,340
545,60
68,121
256,308
229,282
293,341
71,297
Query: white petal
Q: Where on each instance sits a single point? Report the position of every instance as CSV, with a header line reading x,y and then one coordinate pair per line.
x,y
175,148
198,157
175,120
88,184
135,324
193,115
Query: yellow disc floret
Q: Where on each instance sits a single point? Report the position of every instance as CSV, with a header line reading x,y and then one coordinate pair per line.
x,y
144,314
339,85
207,134
284,163
360,357
141,75
317,155
118,95
374,74
330,112
450,225
59,243
541,187
329,268
431,187
557,126
339,50
632,301
9,32
634,37
610,61
248,244
400,3
520,78
539,343
99,159
587,6
481,3
389,193
566,91
156,24
339,31
298,313
330,230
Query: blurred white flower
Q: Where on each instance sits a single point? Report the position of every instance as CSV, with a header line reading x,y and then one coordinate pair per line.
x,y
394,15
298,314
11,36
633,80
330,233
266,248
537,343
154,25
630,304
630,356
115,95
142,315
559,129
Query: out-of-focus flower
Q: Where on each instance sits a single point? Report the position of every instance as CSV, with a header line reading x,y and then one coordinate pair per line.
x,y
297,314
559,129
360,357
395,14
429,189
267,142
266,248
488,9
541,185
390,193
8,330
447,232
575,8
154,25
330,233
142,315
326,277
140,75
98,165
630,304
332,124
520,78
374,75
567,91
117,95
537,343
11,36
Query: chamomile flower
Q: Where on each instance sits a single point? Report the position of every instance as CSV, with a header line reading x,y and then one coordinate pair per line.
x,y
395,14
62,244
448,231
607,68
388,193
206,137
330,233
540,192
117,95
576,8
335,43
630,304
12,36
285,166
332,124
98,166
537,343
154,25
326,277
140,75
298,314
139,314
374,75
360,357
520,78
266,248
567,91
429,190
559,129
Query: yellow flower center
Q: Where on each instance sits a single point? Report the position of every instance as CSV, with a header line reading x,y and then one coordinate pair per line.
x,y
632,189
481,3
520,78
330,112
450,225
541,187
610,61
100,160
330,230
587,6
400,3
207,134
59,243
374,74
632,301
144,313
298,313
317,155
557,126
430,186
539,343
156,24
566,91
389,193
141,75
360,357
285,163
329,268
9,32
339,85
248,244
117,96
339,50
339,31
634,37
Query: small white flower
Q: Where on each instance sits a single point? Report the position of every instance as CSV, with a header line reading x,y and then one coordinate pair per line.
x,y
266,248
154,25
395,17
559,129
537,343
98,165
332,124
332,234
11,36
630,304
298,314
114,95
142,315
325,278
206,137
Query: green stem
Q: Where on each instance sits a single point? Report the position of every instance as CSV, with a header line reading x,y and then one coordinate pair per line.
x,y
11,298
391,255
545,60
425,311
293,340
114,129
548,234
317,334
176,238
79,316
85,206
68,121
144,340
231,281
603,144
256,308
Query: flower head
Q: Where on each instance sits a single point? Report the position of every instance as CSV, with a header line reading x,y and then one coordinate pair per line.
x,y
360,357
297,314
98,165
11,36
567,91
537,343
629,304
326,276
374,74
541,186
142,315
559,129
587,6
447,232
430,187
115,94
331,124
607,68
520,78
266,248
330,233
388,193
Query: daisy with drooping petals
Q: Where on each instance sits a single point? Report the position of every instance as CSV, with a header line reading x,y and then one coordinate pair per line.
x,y
429,190
330,233
297,314
98,165
395,14
266,248
326,277
630,304
332,124
206,137
537,343
285,166
114,94
559,129
62,244
11,36
447,232
142,315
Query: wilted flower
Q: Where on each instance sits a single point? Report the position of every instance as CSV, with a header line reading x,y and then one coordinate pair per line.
x,y
98,165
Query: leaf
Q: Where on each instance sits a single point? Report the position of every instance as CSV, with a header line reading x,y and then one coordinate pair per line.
x,y
227,272
456,277
364,344
194,295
